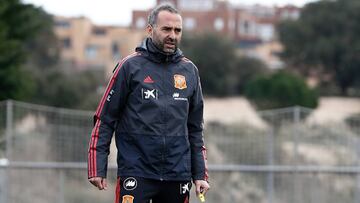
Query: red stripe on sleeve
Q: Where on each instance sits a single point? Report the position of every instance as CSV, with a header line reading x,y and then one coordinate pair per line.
x,y
92,150
206,175
91,143
96,138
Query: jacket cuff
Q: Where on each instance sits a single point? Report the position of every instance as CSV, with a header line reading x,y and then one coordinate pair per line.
x,y
200,177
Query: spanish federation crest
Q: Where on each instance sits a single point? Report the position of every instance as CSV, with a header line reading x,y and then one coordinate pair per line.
x,y
180,82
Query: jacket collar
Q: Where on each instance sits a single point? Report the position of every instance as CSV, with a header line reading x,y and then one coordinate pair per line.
x,y
148,48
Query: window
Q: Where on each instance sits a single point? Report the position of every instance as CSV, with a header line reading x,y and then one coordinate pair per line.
x,y
231,24
66,43
91,51
99,31
196,5
266,32
219,24
189,23
115,51
140,23
62,24
247,27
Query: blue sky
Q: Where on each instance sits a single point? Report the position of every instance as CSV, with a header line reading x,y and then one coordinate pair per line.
x,y
118,12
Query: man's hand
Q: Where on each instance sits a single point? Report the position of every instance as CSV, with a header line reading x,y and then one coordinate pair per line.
x,y
99,182
201,186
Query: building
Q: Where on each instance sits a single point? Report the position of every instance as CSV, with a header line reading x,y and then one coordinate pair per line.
x,y
89,46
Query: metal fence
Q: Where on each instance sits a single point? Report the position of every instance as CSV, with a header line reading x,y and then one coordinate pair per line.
x,y
291,159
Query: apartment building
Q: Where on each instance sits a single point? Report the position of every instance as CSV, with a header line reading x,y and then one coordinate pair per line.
x,y
89,46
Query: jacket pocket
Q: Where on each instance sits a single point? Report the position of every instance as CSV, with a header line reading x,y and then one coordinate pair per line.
x,y
178,154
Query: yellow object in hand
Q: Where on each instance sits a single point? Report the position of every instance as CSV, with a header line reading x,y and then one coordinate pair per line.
x,y
202,197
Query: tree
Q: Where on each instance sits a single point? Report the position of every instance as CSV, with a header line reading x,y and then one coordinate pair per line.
x,y
214,57
70,90
325,38
19,23
222,72
280,90
246,69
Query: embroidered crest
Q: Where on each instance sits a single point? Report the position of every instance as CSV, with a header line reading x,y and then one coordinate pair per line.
x,y
180,82
128,199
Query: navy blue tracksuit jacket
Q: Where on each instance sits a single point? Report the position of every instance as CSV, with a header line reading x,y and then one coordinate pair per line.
x,y
154,104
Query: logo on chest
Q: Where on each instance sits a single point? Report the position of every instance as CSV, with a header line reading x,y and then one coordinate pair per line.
x,y
176,96
180,82
148,94
148,79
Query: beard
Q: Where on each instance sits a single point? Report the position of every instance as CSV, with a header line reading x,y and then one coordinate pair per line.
x,y
166,45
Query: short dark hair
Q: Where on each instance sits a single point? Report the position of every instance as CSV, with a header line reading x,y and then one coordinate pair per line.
x,y
152,18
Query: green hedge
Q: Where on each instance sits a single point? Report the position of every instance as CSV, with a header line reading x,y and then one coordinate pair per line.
x,y
280,89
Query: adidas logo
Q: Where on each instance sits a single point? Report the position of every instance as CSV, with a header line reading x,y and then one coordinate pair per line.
x,y
148,80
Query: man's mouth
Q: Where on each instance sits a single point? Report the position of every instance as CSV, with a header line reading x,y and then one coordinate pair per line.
x,y
170,43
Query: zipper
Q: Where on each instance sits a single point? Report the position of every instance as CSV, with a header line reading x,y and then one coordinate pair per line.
x,y
163,157
164,123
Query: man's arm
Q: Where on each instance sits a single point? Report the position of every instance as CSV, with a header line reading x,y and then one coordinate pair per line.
x,y
198,150
105,118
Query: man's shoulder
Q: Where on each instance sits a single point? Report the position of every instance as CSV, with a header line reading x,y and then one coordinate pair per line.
x,y
186,60
188,63
132,57
124,62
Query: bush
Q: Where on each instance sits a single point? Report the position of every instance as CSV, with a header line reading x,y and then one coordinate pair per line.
x,y
280,90
353,121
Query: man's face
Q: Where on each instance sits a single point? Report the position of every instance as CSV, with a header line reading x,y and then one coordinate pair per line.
x,y
166,34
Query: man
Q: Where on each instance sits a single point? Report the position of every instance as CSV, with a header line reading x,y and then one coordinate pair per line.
x,y
154,104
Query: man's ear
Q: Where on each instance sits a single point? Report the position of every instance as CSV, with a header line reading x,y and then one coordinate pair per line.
x,y
149,30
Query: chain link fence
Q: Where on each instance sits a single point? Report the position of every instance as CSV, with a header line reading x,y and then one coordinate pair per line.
x,y
291,159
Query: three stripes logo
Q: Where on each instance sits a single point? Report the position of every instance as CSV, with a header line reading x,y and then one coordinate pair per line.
x,y
148,79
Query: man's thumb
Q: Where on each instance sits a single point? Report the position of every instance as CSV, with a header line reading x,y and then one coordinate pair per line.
x,y
104,183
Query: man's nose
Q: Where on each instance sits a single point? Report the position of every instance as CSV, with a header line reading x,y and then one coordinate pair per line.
x,y
172,34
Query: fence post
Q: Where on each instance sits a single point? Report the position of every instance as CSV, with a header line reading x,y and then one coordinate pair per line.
x,y
357,195
270,176
61,186
296,120
9,128
357,188
8,146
